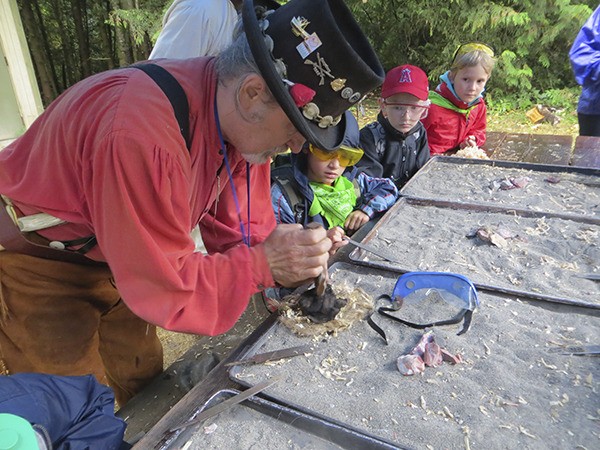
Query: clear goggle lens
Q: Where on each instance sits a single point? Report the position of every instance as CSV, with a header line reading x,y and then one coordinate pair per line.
x,y
411,109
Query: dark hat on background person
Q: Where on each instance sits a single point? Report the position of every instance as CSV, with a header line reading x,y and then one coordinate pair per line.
x,y
316,61
351,134
406,79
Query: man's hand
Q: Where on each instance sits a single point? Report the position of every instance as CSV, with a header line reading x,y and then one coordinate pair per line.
x,y
297,255
470,141
355,220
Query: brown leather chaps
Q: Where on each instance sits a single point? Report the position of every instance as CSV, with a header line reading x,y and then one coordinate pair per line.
x,y
62,318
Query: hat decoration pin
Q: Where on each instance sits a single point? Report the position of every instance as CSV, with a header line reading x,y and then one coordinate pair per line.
x,y
316,61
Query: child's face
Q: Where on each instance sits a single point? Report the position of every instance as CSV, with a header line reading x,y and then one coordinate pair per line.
x,y
403,111
469,82
325,172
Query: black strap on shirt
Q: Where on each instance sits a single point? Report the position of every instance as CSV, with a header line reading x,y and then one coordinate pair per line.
x,y
174,92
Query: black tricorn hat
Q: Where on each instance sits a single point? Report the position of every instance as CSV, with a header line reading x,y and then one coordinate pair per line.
x,y
316,61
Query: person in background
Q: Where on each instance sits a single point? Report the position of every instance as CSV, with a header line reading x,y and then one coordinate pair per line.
x,y
585,60
126,188
193,28
458,115
317,187
396,144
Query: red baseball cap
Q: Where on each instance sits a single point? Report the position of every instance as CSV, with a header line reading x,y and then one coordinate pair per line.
x,y
406,79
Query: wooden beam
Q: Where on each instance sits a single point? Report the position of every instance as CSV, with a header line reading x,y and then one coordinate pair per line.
x,y
20,66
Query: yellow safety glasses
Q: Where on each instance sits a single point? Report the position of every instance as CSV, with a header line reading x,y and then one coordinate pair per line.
x,y
345,155
471,47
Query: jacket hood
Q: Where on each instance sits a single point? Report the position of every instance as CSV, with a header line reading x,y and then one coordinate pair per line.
x,y
446,88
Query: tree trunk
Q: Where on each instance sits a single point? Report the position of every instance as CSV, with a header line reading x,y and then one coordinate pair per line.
x,y
123,41
101,11
77,8
36,40
70,70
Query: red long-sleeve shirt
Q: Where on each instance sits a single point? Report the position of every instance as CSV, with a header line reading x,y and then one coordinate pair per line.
x,y
108,157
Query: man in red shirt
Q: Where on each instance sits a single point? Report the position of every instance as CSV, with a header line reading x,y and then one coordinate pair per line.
x,y
107,162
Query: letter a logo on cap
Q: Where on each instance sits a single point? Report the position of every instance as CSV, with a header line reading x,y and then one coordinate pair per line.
x,y
405,76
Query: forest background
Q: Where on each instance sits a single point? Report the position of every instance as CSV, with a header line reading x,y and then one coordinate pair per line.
x,y
72,39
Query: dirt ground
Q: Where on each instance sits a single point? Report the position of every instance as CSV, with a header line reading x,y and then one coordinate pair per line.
x,y
175,345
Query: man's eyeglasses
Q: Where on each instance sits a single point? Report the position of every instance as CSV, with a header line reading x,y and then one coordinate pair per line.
x,y
346,156
411,109
471,47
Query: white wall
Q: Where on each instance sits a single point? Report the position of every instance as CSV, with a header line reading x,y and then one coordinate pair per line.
x,y
20,101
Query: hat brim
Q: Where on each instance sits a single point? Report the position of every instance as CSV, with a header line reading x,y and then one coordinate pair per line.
x,y
325,138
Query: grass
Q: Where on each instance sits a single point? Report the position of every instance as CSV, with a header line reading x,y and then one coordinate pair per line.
x,y
505,121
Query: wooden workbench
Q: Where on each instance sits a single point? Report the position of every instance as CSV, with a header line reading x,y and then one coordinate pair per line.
x,y
583,151
541,149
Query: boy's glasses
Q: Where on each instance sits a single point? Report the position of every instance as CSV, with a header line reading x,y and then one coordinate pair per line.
x,y
346,156
407,108
472,47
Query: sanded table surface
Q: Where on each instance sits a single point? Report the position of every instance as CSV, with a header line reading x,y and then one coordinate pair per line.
x,y
523,147
586,152
532,148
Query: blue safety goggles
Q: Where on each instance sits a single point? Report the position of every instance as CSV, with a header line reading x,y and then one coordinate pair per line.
x,y
413,287
454,288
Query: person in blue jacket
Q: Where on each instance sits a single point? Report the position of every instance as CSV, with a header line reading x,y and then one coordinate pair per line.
x,y
585,59
41,411
323,187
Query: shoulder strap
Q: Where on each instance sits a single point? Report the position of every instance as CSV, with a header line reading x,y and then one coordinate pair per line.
x,y
174,92
377,132
352,175
290,194
283,176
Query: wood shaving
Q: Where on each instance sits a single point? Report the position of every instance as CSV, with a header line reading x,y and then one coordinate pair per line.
x,y
472,152
526,432
358,306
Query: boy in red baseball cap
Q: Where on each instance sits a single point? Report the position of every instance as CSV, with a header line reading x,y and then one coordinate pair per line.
x,y
395,146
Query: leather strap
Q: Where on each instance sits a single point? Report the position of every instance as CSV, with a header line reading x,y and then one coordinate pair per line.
x,y
13,240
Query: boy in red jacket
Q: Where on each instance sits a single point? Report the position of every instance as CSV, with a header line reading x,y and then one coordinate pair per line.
x,y
457,115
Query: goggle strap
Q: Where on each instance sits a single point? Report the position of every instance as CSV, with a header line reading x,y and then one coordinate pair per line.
x,y
474,47
465,314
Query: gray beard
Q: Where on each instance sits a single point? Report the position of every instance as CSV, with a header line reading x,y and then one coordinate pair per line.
x,y
259,158
264,157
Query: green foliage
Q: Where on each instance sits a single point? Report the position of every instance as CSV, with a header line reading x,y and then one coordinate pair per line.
x,y
532,39
141,23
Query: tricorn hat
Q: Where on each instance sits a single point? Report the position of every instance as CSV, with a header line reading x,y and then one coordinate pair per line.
x,y
316,61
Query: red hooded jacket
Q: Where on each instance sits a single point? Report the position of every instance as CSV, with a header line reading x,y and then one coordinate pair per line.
x,y
449,125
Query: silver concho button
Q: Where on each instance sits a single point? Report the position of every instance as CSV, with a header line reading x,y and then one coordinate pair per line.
x,y
346,93
325,122
269,43
354,97
310,111
280,67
